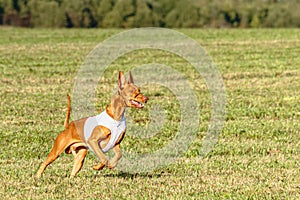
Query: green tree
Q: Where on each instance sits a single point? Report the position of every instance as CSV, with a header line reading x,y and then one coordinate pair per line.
x,y
279,15
295,14
88,19
105,6
139,13
1,13
73,12
10,14
184,14
24,14
46,14
121,15
161,8
144,15
255,21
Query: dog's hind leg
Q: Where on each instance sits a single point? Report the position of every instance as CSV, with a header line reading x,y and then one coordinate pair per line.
x,y
61,143
79,155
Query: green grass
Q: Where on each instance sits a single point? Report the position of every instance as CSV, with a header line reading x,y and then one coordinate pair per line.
x,y
257,155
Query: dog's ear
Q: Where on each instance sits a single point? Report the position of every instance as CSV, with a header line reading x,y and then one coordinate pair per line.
x,y
130,78
122,80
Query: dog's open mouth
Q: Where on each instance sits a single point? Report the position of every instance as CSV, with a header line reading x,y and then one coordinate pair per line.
x,y
136,104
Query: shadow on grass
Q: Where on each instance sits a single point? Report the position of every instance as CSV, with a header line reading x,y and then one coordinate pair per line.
x,y
128,175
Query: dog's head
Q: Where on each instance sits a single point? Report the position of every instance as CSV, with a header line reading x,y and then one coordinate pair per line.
x,y
130,92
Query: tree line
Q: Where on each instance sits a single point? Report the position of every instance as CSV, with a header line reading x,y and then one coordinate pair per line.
x,y
150,13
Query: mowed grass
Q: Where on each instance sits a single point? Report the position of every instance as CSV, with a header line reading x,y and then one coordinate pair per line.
x,y
257,154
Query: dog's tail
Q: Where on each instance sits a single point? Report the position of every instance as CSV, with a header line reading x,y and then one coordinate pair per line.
x,y
66,124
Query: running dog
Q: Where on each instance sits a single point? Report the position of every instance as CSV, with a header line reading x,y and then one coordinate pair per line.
x,y
99,133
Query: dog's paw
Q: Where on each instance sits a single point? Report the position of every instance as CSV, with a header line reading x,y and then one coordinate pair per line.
x,y
111,165
100,166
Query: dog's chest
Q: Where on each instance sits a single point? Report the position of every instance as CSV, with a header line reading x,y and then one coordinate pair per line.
x,y
116,128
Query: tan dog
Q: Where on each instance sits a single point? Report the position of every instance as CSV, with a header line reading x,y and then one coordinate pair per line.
x,y
75,138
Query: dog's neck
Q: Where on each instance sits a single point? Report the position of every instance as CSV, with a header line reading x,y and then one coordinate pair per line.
x,y
117,107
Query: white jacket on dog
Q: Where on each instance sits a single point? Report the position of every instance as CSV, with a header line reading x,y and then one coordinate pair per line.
x,y
116,128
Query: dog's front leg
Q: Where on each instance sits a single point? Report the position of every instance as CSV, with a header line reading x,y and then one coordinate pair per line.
x,y
114,161
93,141
103,160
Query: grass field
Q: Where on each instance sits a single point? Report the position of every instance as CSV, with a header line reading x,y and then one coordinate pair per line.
x,y
258,152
